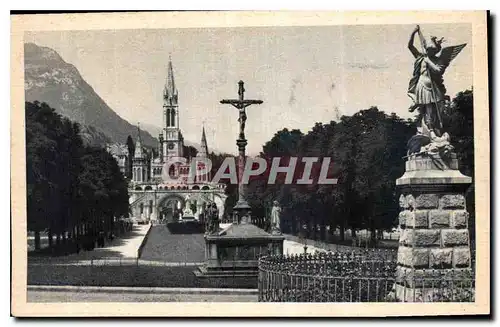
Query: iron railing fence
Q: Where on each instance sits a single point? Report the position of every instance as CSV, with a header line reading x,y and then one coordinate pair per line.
x,y
358,276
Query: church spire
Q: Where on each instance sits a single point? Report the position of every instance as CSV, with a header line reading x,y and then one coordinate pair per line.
x,y
204,148
138,143
170,91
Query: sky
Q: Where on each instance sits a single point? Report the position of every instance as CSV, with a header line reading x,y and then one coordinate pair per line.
x,y
304,75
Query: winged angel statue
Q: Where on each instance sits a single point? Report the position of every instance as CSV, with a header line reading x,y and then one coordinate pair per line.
x,y
428,93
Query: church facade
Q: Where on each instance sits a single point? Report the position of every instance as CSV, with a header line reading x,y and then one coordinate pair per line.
x,y
167,187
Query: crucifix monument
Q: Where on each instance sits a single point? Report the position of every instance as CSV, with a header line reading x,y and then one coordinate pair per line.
x,y
242,209
232,253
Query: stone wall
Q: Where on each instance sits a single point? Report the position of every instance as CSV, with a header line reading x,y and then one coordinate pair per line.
x,y
434,243
434,231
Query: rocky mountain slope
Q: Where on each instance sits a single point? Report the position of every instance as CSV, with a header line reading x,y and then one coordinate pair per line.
x,y
48,78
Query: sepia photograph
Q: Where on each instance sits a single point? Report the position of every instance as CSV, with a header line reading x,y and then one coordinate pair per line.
x,y
254,159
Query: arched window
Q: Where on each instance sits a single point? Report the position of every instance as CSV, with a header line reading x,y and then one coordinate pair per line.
x,y
168,117
178,187
172,188
205,188
172,119
148,188
196,187
160,188
138,188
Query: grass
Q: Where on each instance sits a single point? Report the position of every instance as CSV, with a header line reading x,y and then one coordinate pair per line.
x,y
133,276
163,244
174,245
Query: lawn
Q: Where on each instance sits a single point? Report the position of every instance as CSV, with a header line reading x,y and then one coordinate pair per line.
x,y
164,244
134,276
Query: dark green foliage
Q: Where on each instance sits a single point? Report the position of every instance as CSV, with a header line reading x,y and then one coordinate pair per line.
x,y
189,152
459,121
73,191
131,152
366,150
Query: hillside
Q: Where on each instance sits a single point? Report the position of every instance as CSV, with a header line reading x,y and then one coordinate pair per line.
x,y
48,78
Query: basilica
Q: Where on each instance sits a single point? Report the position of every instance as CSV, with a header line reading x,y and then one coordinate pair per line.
x,y
160,188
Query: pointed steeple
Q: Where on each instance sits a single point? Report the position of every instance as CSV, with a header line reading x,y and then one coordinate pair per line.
x,y
204,148
170,91
138,144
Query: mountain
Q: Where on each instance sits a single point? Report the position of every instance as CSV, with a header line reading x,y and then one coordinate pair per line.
x,y
48,78
151,129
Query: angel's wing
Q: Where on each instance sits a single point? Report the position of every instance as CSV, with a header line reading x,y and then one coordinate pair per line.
x,y
449,53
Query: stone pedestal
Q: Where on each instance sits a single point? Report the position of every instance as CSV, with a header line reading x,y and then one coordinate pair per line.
x,y
235,251
434,240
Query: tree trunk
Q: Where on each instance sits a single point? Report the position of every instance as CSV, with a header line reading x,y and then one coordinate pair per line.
x,y
37,240
49,235
373,232
331,231
323,230
342,231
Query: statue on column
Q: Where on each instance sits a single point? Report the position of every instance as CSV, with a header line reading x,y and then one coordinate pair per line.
x,y
212,216
275,218
427,90
187,212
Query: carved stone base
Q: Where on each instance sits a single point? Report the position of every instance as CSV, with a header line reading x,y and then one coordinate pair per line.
x,y
434,238
236,249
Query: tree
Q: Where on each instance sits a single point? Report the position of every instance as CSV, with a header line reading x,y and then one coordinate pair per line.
x,y
459,120
189,152
366,149
71,189
131,152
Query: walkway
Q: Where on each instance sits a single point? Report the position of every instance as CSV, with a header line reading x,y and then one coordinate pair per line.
x,y
291,247
128,248
122,247
137,294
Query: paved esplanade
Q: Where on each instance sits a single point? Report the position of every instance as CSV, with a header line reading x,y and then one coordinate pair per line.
x,y
46,294
124,247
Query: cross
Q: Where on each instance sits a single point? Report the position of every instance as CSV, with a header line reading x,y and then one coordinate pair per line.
x,y
242,209
241,104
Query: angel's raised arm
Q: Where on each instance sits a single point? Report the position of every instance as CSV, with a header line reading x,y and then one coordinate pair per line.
x,y
411,45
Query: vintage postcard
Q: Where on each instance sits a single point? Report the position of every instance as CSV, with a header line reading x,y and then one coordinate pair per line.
x,y
250,164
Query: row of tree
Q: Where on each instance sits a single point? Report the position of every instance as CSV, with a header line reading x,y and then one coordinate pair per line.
x,y
367,151
75,193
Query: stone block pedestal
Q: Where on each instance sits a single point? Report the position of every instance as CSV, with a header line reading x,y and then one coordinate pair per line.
x,y
235,251
434,251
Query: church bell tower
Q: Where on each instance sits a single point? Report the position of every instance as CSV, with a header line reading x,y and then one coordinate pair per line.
x,y
172,136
